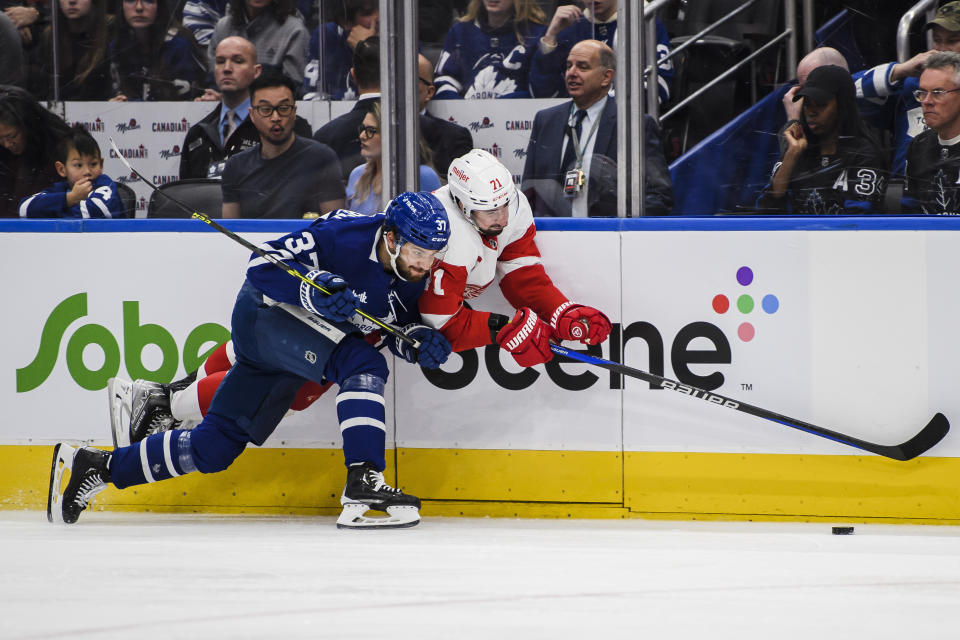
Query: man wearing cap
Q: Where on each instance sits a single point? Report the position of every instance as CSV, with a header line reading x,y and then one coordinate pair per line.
x,y
831,164
892,84
933,158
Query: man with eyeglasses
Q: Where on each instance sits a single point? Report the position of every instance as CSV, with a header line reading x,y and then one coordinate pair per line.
x,y
888,88
285,175
933,158
226,130
446,139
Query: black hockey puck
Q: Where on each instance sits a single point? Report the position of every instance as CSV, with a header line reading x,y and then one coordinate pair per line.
x,y
842,531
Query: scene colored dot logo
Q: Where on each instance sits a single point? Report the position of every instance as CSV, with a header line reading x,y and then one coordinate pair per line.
x,y
745,304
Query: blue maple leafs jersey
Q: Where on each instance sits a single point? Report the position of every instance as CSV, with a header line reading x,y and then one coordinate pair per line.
x,y
344,243
103,202
480,62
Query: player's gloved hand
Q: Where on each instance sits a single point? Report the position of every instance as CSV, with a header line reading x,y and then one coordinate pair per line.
x,y
578,322
432,352
527,338
338,304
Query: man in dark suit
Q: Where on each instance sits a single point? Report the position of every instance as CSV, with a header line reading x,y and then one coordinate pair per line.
x,y
340,134
571,165
447,140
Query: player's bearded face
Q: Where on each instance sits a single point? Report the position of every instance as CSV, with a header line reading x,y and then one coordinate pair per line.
x,y
493,221
414,263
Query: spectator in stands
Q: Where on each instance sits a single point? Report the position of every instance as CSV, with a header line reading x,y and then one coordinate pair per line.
x,y
227,129
84,36
819,57
447,140
571,24
340,134
571,157
29,134
285,175
832,165
201,16
487,53
933,159
84,192
11,53
364,189
153,57
28,17
893,84
273,26
349,23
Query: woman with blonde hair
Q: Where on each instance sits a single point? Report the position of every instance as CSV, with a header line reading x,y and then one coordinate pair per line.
x,y
488,53
365,186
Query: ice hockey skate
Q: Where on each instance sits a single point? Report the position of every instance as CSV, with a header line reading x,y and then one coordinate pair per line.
x,y
89,475
366,490
118,395
149,411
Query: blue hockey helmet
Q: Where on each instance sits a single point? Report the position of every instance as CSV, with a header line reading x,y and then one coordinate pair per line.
x,y
419,218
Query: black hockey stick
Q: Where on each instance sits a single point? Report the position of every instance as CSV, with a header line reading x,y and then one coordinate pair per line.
x,y
930,435
389,328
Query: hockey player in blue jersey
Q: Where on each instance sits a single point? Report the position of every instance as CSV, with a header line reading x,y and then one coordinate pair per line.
x,y
85,192
286,332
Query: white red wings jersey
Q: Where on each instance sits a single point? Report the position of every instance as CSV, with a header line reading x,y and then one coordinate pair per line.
x,y
471,264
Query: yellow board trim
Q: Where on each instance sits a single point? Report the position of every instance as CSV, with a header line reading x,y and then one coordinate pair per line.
x,y
544,484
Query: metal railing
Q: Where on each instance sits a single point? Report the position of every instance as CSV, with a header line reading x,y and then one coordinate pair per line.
x,y
925,8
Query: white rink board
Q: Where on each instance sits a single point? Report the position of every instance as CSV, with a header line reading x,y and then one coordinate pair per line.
x,y
864,340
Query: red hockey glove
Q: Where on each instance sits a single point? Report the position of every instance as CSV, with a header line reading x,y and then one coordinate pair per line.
x,y
577,322
527,338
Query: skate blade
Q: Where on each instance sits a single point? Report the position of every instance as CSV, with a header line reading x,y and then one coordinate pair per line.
x,y
62,461
119,395
397,517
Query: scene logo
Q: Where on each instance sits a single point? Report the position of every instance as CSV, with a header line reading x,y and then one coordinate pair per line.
x,y
129,126
486,123
684,351
127,350
125,179
745,304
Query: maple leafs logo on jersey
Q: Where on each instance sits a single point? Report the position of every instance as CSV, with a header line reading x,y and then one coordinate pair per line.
x,y
815,204
945,196
488,84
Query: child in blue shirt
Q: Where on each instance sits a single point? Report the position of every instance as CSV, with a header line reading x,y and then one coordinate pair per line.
x,y
85,192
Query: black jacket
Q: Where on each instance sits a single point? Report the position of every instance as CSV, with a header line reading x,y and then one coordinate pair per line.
x,y
202,156
340,134
446,139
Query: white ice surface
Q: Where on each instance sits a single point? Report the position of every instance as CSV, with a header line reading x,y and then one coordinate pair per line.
x,y
139,576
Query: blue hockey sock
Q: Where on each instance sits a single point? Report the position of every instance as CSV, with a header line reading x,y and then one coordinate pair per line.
x,y
360,409
156,457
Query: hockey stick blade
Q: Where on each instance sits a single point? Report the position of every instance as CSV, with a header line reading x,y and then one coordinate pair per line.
x,y
931,434
389,328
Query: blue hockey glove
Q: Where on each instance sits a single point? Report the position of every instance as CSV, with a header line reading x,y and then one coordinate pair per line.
x,y
337,305
433,351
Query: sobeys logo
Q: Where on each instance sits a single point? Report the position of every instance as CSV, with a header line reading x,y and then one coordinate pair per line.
x,y
136,337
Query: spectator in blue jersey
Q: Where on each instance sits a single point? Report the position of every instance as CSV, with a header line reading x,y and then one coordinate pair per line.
x,y
152,56
201,16
273,26
29,133
891,85
487,53
85,192
285,175
831,164
365,186
327,74
571,24
83,38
